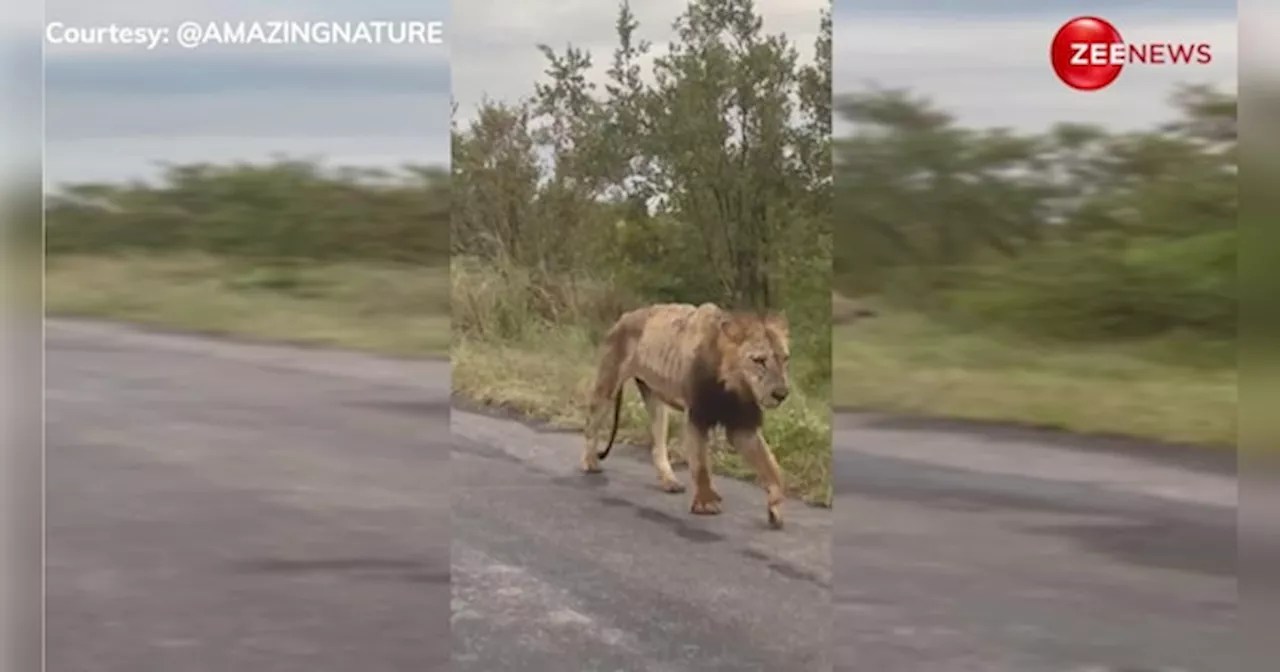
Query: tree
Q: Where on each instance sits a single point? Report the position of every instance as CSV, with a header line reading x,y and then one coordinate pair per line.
x,y
713,169
1075,232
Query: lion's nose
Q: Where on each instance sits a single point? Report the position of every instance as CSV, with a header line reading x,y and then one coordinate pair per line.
x,y
781,394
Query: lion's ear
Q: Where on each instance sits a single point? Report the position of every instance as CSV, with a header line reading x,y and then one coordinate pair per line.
x,y
778,322
732,329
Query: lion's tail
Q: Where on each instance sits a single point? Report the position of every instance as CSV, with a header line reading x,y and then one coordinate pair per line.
x,y
613,433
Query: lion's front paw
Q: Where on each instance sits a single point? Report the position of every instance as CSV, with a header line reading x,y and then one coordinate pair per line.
x,y
706,502
773,506
591,466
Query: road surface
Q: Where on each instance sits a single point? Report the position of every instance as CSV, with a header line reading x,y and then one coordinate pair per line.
x,y
608,572
217,506
999,550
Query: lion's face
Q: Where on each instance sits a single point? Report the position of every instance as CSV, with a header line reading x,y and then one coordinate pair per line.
x,y
757,354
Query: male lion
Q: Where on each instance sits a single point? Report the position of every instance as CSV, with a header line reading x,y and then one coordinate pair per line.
x,y
718,367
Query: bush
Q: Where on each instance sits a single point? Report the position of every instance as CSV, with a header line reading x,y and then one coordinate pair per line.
x,y
503,301
289,210
1103,291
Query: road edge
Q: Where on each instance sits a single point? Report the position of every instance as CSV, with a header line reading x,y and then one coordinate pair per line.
x,y
1216,460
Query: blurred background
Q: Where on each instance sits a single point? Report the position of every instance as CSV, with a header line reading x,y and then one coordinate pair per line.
x,y
1260,382
1039,255
20,346
1045,401
217,506
262,190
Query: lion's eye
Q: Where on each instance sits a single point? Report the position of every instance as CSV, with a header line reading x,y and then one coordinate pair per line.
x,y
760,359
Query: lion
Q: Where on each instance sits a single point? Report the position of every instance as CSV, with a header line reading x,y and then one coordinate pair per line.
x,y
720,368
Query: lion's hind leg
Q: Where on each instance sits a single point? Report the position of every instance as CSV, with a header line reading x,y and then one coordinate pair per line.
x,y
657,412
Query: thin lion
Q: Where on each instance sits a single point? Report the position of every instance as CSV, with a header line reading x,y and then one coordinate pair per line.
x,y
718,367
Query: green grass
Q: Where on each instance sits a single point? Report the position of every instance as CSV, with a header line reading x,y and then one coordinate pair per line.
x,y
548,378
1175,390
386,309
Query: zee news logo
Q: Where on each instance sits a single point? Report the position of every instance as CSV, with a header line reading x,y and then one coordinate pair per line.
x,y
1088,53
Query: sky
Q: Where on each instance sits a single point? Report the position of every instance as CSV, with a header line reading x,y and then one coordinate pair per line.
x,y
112,112
986,61
494,42
19,97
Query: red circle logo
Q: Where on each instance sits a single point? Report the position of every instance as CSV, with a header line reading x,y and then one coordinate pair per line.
x,y
1080,53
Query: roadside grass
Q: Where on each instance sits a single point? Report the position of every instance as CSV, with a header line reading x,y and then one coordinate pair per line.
x,y
530,345
1175,390
393,310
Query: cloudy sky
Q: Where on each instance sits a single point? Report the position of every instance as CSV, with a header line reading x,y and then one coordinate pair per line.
x,y
494,42
19,94
987,60
113,111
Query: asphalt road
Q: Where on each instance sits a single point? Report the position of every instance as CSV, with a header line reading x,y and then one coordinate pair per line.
x,y
554,570
215,506
996,550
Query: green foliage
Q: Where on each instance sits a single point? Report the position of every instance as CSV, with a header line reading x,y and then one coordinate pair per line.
x,y
1075,233
1096,291
706,181
287,210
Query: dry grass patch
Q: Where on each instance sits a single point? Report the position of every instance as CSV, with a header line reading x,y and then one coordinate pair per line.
x,y
1172,390
386,309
